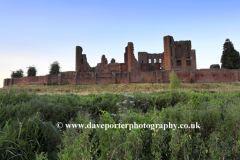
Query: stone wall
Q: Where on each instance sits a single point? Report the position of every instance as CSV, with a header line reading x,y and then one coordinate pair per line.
x,y
162,76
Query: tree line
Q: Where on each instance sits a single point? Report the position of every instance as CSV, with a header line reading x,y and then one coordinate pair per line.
x,y
32,71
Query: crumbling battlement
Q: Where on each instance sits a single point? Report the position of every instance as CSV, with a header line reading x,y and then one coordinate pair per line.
x,y
176,55
81,61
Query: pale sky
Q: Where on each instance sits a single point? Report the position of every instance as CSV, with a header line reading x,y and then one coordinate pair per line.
x,y
41,32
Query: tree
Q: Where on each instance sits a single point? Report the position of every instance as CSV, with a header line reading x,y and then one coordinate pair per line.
x,y
174,81
31,71
213,66
54,68
230,58
17,74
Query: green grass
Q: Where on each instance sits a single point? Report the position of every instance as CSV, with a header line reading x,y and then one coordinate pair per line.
x,y
122,88
217,111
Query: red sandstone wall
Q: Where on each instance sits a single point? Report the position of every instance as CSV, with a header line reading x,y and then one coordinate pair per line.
x,y
66,77
216,75
85,74
165,77
199,76
53,78
137,77
25,81
122,77
124,67
183,76
114,67
85,80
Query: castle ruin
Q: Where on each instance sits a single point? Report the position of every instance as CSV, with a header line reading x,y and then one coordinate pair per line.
x,y
176,55
154,68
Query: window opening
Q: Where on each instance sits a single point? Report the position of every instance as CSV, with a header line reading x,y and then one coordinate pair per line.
x,y
179,63
188,62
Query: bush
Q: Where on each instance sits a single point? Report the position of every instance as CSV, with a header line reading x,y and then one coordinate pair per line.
x,y
66,82
144,80
191,80
54,68
213,66
31,71
17,74
52,83
92,69
174,81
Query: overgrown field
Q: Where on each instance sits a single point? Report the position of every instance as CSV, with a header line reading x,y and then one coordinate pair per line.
x,y
122,88
28,125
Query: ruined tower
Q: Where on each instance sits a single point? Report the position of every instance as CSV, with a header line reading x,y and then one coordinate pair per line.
x,y
132,62
79,59
169,53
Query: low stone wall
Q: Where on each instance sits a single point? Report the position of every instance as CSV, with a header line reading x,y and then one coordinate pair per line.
x,y
162,76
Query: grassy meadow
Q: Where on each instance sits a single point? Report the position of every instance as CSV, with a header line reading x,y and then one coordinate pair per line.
x,y
29,114
121,88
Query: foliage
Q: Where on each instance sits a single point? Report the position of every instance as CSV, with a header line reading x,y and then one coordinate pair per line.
x,y
230,57
22,139
151,81
92,69
174,81
42,156
54,68
191,80
144,80
213,66
32,71
17,74
216,112
66,82
54,83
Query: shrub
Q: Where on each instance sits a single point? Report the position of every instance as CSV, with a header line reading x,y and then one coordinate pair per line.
x,y
17,74
31,71
174,81
53,83
191,80
213,66
144,80
92,69
66,82
54,68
